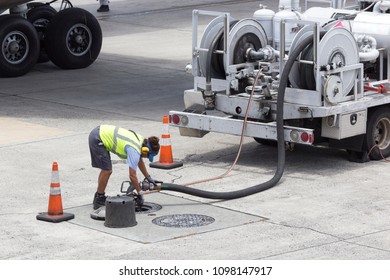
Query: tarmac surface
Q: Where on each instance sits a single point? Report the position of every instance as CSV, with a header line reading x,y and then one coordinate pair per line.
x,y
324,208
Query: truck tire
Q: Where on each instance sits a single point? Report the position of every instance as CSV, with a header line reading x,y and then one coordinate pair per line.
x,y
19,45
73,39
40,16
377,138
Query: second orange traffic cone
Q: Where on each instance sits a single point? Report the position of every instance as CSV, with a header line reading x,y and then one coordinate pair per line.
x,y
55,213
166,158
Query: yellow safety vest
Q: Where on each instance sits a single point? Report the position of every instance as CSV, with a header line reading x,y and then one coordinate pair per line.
x,y
115,139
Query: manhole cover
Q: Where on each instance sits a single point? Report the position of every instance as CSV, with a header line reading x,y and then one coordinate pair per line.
x,y
183,220
147,207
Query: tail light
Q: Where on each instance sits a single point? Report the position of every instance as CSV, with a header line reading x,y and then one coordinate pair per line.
x,y
179,119
304,137
176,119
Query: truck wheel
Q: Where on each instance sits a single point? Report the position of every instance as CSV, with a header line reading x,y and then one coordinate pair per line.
x,y
40,17
378,133
19,44
73,39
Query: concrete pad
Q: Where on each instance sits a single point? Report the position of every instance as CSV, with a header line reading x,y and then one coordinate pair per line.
x,y
148,232
379,240
15,131
334,251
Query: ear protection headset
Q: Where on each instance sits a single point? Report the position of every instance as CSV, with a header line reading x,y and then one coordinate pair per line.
x,y
146,149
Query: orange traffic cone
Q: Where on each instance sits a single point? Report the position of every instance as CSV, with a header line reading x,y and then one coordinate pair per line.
x,y
166,158
55,213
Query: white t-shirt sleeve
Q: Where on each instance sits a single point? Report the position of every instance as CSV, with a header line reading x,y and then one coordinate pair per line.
x,y
133,157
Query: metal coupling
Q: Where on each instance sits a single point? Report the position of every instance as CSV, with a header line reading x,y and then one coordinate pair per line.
x,y
209,99
264,54
266,91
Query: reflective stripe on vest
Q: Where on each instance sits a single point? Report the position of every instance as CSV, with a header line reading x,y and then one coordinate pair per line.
x,y
115,139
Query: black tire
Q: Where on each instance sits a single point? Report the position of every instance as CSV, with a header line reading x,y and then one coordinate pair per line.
x,y
40,16
73,39
378,133
19,45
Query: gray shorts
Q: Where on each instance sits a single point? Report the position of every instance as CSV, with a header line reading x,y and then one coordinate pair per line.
x,y
100,157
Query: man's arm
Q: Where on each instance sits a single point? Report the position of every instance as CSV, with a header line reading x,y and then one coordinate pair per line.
x,y
142,167
134,179
139,199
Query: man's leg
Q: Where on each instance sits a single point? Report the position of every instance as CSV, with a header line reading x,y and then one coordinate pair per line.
x,y
104,176
100,158
99,199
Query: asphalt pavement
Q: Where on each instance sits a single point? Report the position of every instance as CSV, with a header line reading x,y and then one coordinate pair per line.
x,y
324,207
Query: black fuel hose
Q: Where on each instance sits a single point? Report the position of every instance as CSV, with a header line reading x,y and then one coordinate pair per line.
x,y
280,139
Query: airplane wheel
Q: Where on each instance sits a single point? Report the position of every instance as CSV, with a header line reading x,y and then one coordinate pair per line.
x,y
73,39
40,17
19,45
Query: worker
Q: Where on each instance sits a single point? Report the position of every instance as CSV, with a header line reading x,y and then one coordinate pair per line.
x,y
128,145
103,6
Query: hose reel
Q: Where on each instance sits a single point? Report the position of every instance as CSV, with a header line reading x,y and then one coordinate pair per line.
x,y
337,48
247,33
243,34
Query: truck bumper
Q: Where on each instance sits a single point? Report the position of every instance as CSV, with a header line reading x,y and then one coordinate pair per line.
x,y
197,124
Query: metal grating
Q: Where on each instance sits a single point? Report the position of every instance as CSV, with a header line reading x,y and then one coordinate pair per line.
x,y
183,220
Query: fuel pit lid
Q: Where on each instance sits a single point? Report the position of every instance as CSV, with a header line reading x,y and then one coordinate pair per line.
x,y
183,220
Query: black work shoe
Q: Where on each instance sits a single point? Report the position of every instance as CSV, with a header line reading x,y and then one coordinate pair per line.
x,y
99,200
103,8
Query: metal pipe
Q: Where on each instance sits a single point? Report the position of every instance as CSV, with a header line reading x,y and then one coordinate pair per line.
x,y
367,47
225,33
381,7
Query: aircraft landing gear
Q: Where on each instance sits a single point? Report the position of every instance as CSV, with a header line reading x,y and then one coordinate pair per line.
x,y
71,39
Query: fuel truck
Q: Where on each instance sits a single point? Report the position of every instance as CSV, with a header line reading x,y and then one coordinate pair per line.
x,y
35,32
318,77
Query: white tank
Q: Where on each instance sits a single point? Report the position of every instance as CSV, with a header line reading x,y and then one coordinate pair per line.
x,y
289,5
324,15
265,18
371,23
295,5
338,4
375,24
290,28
